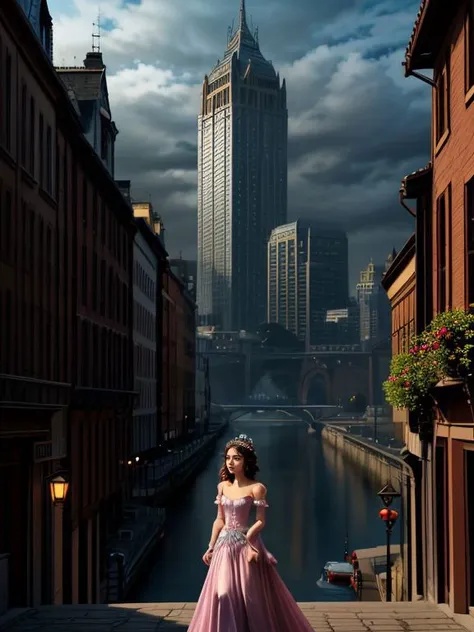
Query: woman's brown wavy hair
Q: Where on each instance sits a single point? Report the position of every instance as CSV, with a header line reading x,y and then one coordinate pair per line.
x,y
250,461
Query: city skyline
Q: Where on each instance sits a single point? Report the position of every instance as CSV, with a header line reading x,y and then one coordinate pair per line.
x,y
346,155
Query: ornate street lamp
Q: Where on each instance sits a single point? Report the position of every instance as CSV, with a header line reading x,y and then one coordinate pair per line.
x,y
58,486
390,517
388,494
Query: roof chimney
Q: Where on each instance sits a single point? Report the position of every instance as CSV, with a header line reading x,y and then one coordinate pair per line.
x,y
93,61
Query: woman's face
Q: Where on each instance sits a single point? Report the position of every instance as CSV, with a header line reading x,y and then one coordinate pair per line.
x,y
234,461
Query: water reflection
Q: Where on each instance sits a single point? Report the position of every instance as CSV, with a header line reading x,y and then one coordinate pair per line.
x,y
315,496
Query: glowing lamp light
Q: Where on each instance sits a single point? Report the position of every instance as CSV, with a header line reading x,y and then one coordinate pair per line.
x,y
58,487
388,515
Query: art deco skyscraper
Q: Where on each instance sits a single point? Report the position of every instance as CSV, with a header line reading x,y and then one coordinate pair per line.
x,y
242,181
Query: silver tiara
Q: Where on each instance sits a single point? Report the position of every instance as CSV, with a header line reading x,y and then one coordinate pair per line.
x,y
244,441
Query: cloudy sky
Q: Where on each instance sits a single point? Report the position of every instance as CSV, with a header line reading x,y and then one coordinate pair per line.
x,y
356,125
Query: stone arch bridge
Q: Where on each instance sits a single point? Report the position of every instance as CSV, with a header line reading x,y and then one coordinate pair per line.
x,y
324,377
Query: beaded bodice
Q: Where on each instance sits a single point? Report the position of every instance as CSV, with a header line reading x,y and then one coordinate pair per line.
x,y
237,512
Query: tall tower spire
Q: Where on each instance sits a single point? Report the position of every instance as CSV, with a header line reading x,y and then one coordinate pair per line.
x,y
243,15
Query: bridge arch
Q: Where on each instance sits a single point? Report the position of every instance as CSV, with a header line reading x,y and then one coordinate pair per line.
x,y
315,383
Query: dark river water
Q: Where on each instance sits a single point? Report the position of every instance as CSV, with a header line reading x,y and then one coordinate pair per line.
x,y
315,498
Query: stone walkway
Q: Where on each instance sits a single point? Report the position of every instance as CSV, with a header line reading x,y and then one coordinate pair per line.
x,y
324,617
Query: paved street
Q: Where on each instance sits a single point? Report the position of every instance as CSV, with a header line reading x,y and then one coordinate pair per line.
x,y
325,617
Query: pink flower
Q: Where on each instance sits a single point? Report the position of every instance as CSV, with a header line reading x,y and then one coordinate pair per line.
x,y
435,345
424,347
415,349
407,384
443,331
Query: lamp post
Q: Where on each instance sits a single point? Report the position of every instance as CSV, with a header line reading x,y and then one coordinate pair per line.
x,y
58,487
389,516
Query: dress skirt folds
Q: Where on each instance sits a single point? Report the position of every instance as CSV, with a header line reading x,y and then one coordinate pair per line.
x,y
239,596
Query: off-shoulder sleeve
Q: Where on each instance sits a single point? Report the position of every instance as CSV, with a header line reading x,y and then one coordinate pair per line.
x,y
218,500
260,496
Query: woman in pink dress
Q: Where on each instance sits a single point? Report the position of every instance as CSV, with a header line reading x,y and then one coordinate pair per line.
x,y
243,591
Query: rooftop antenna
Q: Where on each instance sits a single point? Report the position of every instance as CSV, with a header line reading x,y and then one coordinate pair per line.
x,y
96,36
229,33
256,34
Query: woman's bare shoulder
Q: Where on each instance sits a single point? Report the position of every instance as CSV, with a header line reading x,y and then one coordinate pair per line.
x,y
259,491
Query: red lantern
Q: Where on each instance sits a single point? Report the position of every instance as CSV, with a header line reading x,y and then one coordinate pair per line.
x,y
388,515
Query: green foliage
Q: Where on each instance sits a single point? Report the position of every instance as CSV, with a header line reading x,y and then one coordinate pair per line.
x,y
444,349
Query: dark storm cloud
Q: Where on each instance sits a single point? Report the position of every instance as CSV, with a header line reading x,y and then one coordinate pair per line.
x,y
356,126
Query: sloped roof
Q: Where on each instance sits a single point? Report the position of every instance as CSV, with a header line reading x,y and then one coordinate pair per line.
x,y
85,82
429,31
247,49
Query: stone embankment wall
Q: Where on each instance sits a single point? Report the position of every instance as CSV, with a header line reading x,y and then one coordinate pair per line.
x,y
377,462
381,467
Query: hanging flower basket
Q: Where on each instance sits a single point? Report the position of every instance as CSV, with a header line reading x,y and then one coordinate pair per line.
x,y
437,370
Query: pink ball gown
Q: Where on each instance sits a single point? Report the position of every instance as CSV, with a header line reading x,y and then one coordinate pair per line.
x,y
239,596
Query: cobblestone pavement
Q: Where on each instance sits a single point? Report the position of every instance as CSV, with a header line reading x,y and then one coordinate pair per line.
x,y
324,617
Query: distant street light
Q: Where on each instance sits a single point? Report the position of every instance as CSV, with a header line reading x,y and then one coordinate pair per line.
x,y
58,487
390,517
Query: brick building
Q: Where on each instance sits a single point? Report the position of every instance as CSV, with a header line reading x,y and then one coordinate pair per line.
x,y
66,338
149,262
400,284
443,42
178,378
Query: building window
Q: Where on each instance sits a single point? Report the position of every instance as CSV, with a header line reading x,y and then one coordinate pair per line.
x,y
84,201
110,294
442,103
103,222
103,292
444,250
95,272
8,101
41,150
84,275
24,119
6,226
32,136
469,213
85,353
49,160
94,212
469,50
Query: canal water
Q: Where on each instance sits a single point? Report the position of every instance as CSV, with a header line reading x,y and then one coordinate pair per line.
x,y
315,498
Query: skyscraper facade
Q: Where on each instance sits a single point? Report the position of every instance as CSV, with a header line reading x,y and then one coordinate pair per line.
x,y
307,276
242,181
373,303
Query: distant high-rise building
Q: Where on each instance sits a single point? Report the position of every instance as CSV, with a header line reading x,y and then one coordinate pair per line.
x,y
373,303
342,325
242,181
307,276
185,269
